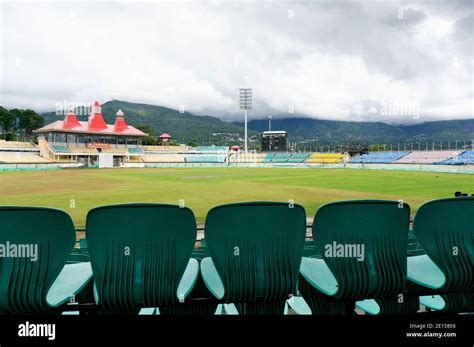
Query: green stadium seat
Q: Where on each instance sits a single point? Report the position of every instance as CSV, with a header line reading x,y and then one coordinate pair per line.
x,y
136,151
391,305
268,158
281,158
77,256
83,246
445,229
379,271
42,282
199,301
414,247
212,149
141,254
198,158
256,251
450,302
61,149
298,157
319,303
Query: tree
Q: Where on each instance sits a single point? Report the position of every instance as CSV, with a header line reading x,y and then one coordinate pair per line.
x,y
17,116
32,121
21,122
28,120
7,121
376,148
36,121
146,129
23,119
150,139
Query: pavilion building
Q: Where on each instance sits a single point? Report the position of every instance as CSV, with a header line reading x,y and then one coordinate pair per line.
x,y
71,140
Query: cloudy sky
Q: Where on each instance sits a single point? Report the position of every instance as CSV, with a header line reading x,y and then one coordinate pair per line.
x,y
393,61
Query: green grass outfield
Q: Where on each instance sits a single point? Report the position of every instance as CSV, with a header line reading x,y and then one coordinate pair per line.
x,y
203,188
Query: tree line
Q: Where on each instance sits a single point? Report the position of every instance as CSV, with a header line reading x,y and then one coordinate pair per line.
x,y
152,139
17,124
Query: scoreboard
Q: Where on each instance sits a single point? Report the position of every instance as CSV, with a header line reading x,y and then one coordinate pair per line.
x,y
274,141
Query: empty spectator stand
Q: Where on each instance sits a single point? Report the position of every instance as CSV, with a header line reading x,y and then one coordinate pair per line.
x,y
135,151
268,158
17,146
464,158
325,158
281,158
426,157
378,157
201,158
164,158
298,157
11,157
212,149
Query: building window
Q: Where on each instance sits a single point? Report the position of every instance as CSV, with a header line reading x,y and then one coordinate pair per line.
x,y
60,137
71,138
132,141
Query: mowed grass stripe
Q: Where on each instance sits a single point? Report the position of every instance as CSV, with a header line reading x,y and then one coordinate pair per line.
x,y
203,188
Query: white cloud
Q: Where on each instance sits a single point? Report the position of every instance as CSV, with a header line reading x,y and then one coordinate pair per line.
x,y
331,60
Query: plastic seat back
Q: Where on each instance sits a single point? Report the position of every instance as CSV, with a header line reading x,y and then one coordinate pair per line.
x,y
364,244
139,252
256,248
35,243
445,229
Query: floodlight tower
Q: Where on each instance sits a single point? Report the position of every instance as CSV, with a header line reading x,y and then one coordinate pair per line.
x,y
269,117
245,104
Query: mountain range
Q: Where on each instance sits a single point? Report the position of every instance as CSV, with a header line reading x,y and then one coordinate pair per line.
x,y
327,132
185,126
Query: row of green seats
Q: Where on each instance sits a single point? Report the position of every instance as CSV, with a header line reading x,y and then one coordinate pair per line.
x,y
61,149
197,158
281,157
268,158
212,149
298,157
253,259
135,150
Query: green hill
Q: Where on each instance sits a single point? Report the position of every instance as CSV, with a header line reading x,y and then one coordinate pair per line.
x,y
206,129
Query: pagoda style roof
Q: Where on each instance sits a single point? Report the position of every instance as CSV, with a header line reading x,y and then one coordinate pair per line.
x,y
94,125
85,128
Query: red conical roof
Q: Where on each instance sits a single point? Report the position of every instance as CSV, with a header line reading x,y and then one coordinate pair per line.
x,y
70,120
120,123
96,121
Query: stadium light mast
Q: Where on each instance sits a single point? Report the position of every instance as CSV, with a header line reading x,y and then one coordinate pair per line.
x,y
269,117
245,104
